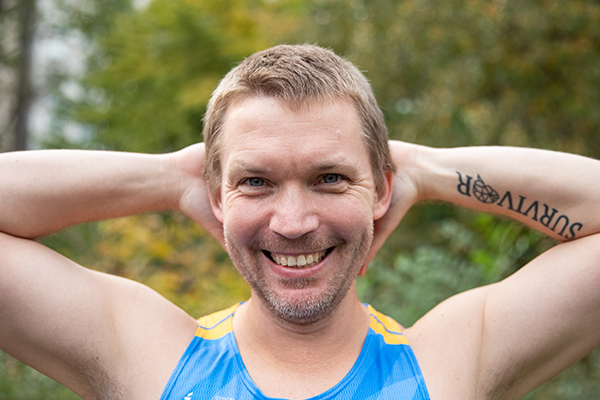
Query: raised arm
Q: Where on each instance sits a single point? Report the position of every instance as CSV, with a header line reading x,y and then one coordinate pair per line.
x,y
555,193
97,334
45,191
509,337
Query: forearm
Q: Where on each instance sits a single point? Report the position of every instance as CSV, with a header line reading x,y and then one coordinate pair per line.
x,y
45,191
555,193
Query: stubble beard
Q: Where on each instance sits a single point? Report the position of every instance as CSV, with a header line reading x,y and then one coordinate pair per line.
x,y
305,309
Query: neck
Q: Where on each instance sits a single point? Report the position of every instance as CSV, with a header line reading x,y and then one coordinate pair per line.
x,y
255,319
321,353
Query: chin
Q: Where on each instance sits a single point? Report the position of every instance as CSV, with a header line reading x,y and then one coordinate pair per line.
x,y
301,305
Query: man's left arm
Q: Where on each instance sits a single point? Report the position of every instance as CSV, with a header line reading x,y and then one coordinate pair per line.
x,y
546,316
555,193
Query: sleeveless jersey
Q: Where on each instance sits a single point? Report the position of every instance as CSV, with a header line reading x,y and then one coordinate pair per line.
x,y
211,368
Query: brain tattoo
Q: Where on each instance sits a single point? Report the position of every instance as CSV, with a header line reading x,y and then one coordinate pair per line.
x,y
484,193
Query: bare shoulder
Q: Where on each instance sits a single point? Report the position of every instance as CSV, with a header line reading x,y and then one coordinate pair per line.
x,y
95,333
150,335
447,343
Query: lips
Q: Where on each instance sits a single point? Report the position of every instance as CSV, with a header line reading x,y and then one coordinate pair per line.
x,y
298,261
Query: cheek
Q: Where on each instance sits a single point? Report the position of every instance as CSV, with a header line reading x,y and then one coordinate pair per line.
x,y
243,220
348,217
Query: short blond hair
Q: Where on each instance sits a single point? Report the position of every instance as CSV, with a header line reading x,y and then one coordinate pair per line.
x,y
297,75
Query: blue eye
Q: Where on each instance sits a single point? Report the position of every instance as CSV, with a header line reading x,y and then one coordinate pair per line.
x,y
256,182
331,178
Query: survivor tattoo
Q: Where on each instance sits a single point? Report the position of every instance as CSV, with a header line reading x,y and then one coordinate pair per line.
x,y
549,217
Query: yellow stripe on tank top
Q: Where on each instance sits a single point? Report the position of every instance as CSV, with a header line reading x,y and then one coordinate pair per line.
x,y
386,327
210,328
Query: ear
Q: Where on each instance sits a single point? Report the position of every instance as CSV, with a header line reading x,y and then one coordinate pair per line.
x,y
216,205
384,197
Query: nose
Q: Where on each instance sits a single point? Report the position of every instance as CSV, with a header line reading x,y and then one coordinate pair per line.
x,y
294,213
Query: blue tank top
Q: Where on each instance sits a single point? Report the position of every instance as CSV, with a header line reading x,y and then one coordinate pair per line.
x,y
211,368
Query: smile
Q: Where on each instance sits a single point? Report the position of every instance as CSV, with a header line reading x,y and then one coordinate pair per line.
x,y
298,261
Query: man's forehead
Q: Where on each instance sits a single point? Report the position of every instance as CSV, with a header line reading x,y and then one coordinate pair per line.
x,y
263,111
261,136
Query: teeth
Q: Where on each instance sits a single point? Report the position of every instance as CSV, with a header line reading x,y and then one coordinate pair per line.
x,y
301,261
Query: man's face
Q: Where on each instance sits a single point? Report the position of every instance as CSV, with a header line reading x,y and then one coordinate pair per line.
x,y
297,203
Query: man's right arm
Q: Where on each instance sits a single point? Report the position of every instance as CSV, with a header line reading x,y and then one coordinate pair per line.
x,y
85,329
46,191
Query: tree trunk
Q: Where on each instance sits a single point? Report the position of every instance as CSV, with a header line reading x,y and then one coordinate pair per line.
x,y
27,14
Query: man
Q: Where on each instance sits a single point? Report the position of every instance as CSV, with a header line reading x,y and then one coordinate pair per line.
x,y
303,189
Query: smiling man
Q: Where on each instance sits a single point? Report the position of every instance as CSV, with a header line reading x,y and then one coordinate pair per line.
x,y
300,184
294,213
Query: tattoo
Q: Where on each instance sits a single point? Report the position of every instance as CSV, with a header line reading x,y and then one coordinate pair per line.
x,y
477,188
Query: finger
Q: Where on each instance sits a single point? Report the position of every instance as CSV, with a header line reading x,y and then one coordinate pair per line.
x,y
215,229
382,229
371,255
363,269
220,237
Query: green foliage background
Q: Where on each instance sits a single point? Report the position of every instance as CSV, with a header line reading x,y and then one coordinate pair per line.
x,y
446,73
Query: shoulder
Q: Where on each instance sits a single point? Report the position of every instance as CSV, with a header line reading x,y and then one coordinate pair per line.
x,y
144,337
135,342
447,343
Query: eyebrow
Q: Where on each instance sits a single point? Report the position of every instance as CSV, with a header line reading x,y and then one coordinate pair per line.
x,y
242,166
328,166
238,166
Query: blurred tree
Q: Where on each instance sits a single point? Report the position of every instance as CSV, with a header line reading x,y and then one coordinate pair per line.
x,y
152,70
462,72
17,26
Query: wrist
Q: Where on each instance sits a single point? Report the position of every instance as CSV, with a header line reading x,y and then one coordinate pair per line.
x,y
172,181
419,168
436,174
183,178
